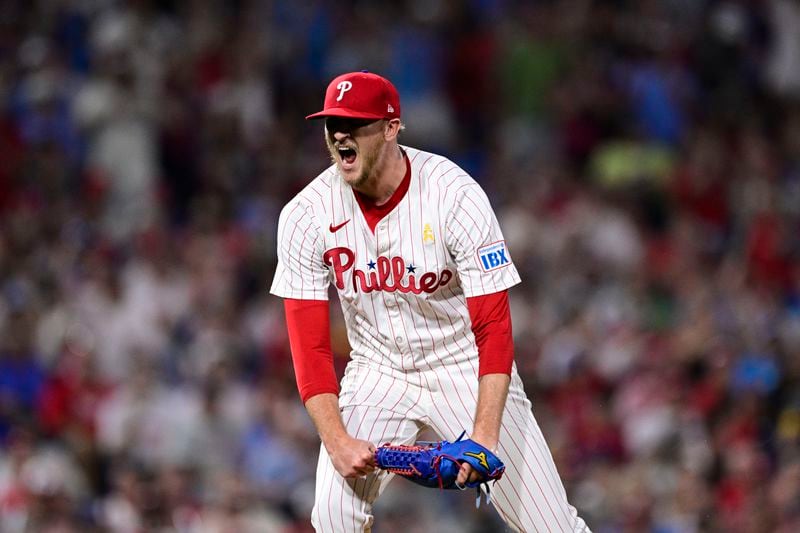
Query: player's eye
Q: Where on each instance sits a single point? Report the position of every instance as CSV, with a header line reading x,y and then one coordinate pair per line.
x,y
345,125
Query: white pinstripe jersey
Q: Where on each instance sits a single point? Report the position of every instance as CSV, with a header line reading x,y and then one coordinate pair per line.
x,y
403,287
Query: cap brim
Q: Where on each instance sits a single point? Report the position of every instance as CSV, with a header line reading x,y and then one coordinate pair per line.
x,y
344,113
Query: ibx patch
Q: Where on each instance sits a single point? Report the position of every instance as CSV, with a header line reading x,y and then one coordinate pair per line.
x,y
493,256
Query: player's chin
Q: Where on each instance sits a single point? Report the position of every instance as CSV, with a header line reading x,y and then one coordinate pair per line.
x,y
350,173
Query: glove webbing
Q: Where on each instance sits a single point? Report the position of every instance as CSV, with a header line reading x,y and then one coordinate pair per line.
x,y
403,471
411,470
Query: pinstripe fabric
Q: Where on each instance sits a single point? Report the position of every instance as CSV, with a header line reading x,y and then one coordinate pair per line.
x,y
530,496
383,405
429,328
345,505
414,361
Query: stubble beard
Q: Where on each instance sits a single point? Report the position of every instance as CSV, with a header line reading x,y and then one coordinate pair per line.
x,y
369,162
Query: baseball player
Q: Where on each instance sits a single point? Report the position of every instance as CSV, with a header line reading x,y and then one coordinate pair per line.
x,y
415,252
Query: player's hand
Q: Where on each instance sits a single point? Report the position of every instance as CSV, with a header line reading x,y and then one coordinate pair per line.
x,y
353,458
466,473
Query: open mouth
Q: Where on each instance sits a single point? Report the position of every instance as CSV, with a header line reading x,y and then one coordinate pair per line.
x,y
348,155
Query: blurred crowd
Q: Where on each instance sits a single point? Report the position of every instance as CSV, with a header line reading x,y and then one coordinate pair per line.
x,y
644,161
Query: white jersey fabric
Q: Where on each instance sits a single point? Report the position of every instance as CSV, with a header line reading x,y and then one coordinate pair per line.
x,y
403,288
414,360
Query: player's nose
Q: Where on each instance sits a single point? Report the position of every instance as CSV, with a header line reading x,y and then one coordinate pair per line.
x,y
336,125
340,135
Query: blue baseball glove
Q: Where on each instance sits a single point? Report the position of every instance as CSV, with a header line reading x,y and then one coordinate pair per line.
x,y
436,464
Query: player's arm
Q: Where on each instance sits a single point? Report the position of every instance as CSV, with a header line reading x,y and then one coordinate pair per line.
x,y
491,325
350,456
492,393
476,243
308,323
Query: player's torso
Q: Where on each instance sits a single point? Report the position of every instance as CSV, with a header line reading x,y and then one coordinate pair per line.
x,y
402,254
398,285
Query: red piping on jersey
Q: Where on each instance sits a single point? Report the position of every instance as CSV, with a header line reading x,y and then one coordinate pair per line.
x,y
308,323
491,325
374,213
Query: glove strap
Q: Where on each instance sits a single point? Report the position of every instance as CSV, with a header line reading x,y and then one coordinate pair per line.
x,y
488,495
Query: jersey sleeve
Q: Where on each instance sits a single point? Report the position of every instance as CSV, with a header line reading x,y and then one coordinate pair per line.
x,y
308,324
477,245
301,273
491,325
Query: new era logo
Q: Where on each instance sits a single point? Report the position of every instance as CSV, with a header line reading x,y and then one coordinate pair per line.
x,y
493,256
389,109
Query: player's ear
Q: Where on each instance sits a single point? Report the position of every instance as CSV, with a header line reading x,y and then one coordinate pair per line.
x,y
391,129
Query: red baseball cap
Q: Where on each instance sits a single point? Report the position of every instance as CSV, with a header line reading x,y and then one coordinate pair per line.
x,y
360,95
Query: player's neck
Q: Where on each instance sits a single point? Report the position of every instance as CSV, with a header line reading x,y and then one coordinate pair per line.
x,y
388,177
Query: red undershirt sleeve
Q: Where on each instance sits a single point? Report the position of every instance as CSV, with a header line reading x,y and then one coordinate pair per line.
x,y
308,323
491,325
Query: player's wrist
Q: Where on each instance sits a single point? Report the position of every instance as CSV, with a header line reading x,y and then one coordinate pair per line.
x,y
337,442
487,441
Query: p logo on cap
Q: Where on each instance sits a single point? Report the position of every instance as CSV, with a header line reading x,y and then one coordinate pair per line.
x,y
343,87
360,95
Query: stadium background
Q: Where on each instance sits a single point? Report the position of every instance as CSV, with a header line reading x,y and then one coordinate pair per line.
x,y
644,160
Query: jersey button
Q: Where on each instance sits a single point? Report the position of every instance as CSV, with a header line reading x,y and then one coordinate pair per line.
x,y
399,339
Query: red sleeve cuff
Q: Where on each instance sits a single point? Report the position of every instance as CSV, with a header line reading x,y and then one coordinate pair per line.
x,y
308,324
491,325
